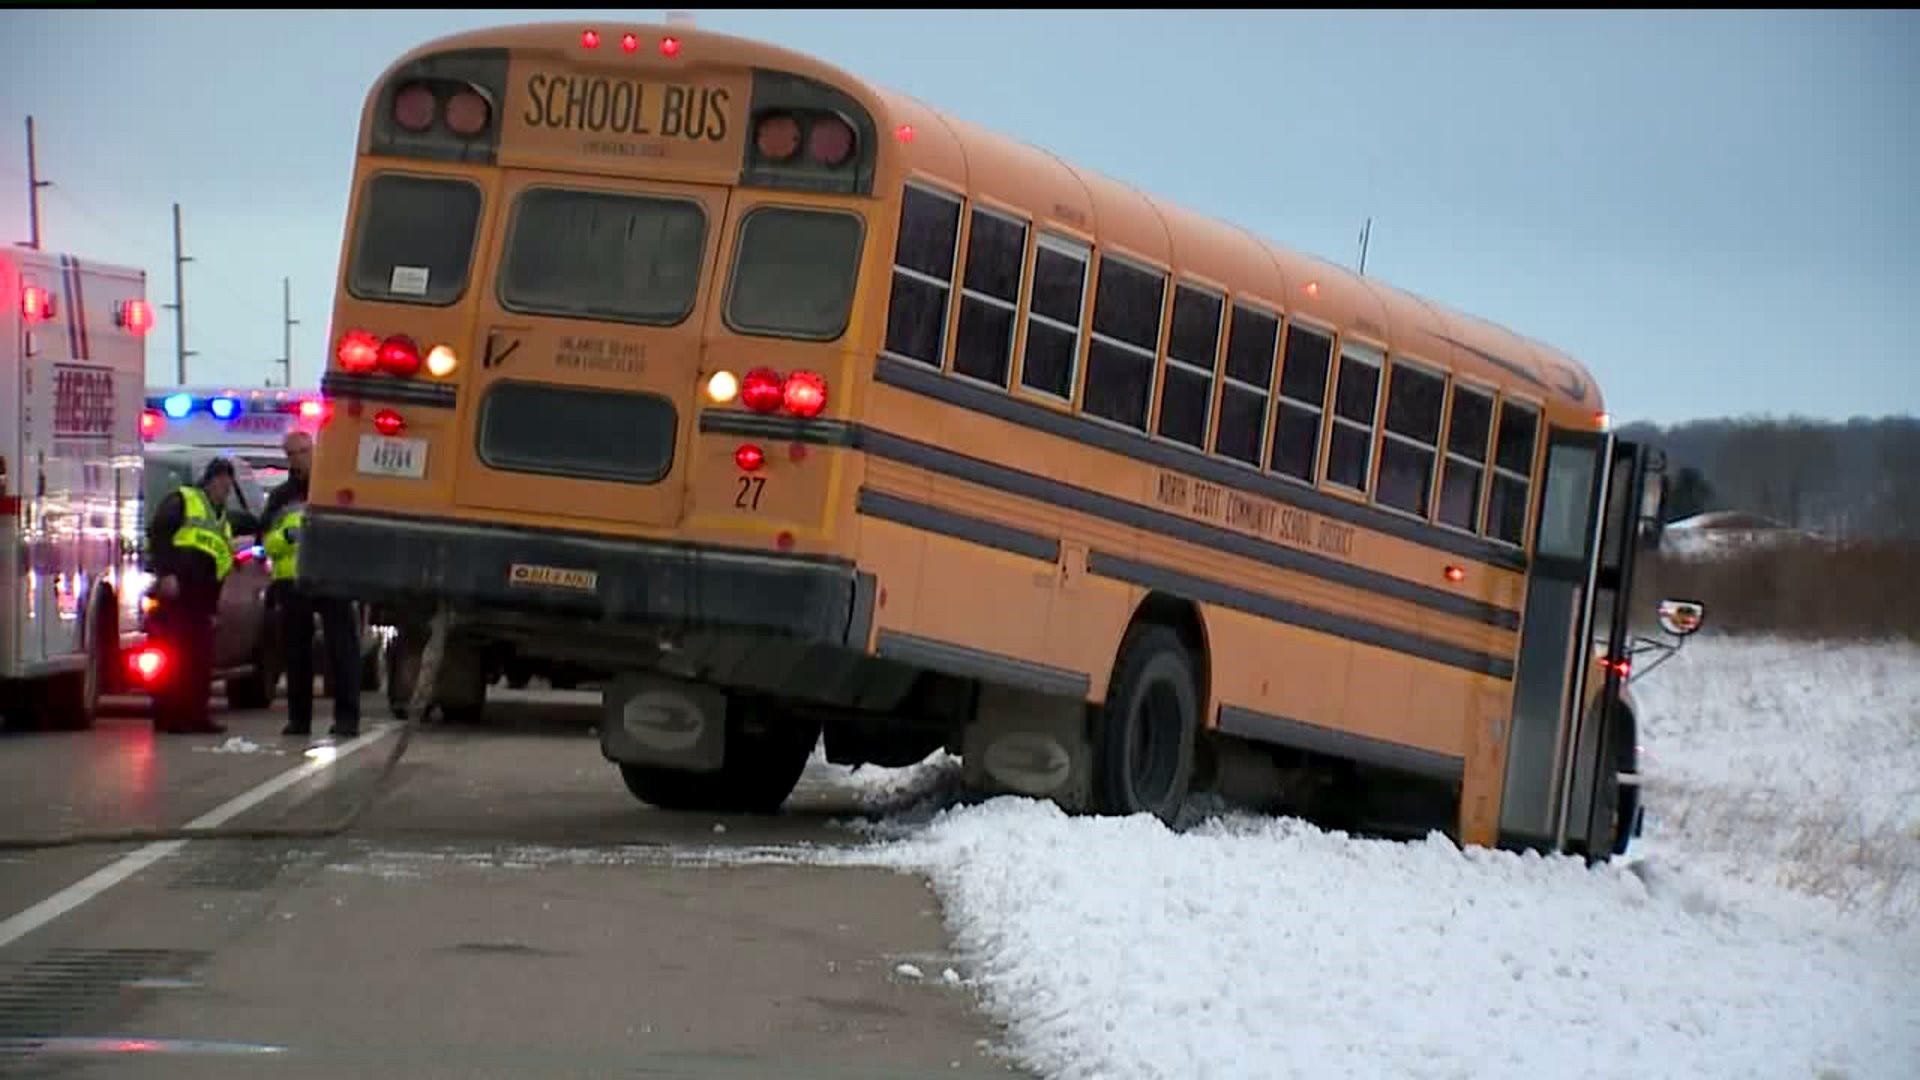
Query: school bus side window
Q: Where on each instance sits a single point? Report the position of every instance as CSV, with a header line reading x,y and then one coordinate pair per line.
x,y
922,276
1052,359
1300,411
1126,339
414,239
794,272
600,255
1465,467
1251,339
1411,438
1186,395
990,297
1356,400
1512,473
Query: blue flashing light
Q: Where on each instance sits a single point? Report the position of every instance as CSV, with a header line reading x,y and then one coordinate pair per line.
x,y
178,405
223,408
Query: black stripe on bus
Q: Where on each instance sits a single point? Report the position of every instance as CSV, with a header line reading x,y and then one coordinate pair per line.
x,y
968,663
916,379
917,515
781,428
386,388
1134,515
1300,735
1207,591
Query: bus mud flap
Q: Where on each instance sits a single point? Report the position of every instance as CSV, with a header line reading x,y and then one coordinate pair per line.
x,y
1025,743
653,720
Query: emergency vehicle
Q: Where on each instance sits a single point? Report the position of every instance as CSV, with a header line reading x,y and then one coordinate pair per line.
x,y
248,424
72,384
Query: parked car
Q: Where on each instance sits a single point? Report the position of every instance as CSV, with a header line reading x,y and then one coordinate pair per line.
x,y
249,655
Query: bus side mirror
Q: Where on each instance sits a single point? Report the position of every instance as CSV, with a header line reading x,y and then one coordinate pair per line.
x,y
1682,617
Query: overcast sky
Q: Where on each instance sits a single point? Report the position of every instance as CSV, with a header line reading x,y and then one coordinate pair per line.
x,y
1716,211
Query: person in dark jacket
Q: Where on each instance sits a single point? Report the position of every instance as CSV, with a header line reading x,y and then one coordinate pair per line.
x,y
283,520
191,541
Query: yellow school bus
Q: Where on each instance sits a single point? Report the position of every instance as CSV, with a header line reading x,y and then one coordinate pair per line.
x,y
784,406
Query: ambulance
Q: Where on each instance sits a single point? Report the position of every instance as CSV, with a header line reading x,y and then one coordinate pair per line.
x,y
245,424
72,390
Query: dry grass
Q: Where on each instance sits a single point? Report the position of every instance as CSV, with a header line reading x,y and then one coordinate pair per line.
x,y
1863,591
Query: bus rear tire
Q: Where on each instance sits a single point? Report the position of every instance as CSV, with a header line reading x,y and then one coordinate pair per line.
x,y
1144,735
766,751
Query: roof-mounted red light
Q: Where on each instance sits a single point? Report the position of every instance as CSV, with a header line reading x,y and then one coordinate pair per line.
x,y
414,108
762,390
669,47
805,394
36,304
830,141
399,355
629,43
152,423
468,114
777,136
359,352
134,316
590,39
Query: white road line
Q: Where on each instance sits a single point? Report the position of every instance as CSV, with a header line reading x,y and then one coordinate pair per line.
x,y
71,897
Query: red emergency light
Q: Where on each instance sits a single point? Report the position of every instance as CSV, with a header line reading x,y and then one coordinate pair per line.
x,y
152,423
36,304
146,665
134,316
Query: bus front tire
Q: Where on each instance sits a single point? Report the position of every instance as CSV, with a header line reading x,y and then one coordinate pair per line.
x,y
1143,745
766,751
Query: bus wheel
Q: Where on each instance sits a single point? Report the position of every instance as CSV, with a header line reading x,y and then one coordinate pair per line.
x,y
766,751
1144,734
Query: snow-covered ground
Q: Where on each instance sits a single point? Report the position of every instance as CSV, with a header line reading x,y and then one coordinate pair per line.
x,y
1766,927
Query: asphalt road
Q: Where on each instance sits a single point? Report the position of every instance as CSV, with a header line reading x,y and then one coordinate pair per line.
x,y
506,909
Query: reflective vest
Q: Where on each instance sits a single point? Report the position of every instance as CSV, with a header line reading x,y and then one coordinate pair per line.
x,y
283,542
201,531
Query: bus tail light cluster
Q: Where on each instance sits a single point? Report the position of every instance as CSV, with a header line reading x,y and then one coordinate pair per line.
x,y
460,108
764,390
362,352
827,138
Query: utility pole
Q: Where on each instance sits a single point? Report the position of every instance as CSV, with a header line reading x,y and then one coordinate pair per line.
x,y
34,184
179,305
287,323
1366,233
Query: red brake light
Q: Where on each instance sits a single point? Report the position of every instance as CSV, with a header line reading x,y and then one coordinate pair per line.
x,y
629,42
830,142
136,316
311,409
388,422
805,394
36,304
777,137
749,457
669,47
399,355
414,107
359,352
590,39
146,664
152,423
468,114
761,390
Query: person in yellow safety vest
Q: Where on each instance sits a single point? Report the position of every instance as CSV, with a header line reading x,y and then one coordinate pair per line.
x,y
285,516
191,542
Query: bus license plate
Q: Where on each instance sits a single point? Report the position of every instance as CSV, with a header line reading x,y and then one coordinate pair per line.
x,y
381,455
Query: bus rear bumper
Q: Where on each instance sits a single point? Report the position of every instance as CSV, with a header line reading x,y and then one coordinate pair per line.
x,y
574,583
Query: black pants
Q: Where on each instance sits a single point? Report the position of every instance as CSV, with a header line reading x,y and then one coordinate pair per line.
x,y
342,637
184,630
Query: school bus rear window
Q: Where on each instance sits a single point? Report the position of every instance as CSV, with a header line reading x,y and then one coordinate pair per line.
x,y
599,255
794,273
414,240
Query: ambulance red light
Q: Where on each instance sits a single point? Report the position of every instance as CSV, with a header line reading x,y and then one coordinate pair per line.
x,y
629,43
152,423
36,304
749,457
387,422
830,142
762,390
669,47
359,352
805,394
590,39
136,316
399,355
311,409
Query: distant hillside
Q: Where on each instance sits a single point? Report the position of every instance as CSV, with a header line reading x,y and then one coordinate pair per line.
x,y
1856,480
